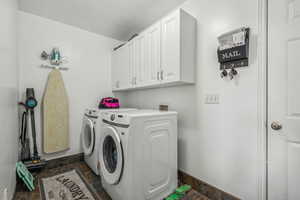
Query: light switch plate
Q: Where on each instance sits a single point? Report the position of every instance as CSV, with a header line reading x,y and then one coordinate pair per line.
x,y
5,194
212,99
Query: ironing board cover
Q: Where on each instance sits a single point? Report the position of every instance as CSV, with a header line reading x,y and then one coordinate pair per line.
x,y
55,114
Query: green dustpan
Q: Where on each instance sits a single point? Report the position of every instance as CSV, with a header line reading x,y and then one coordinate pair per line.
x,y
175,196
25,175
179,192
183,189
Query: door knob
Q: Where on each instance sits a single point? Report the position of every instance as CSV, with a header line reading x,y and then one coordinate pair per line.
x,y
276,126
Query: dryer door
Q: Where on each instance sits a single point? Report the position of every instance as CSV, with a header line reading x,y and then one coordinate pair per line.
x,y
88,136
111,155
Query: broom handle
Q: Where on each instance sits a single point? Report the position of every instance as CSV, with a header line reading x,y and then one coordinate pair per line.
x,y
35,152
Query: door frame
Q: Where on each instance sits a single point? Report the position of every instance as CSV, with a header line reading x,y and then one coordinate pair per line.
x,y
262,43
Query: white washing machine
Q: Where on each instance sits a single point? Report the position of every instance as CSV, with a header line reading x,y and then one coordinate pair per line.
x,y
90,135
138,154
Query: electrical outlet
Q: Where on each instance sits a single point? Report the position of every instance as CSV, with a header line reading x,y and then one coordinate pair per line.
x,y
212,99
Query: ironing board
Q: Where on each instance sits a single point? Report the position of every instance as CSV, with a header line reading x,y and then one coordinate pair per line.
x,y
55,114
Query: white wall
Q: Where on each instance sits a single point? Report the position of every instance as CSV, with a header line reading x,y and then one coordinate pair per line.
x,y
8,96
217,143
87,79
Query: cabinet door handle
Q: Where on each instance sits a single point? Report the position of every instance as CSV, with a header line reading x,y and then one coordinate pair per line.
x,y
133,81
162,75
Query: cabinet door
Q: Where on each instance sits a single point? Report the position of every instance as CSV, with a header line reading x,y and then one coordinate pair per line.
x,y
123,70
171,48
132,63
114,72
141,61
120,68
153,69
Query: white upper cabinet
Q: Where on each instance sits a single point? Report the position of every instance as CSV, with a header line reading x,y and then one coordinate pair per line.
x,y
178,48
132,63
153,35
114,69
137,61
163,54
120,69
140,44
170,62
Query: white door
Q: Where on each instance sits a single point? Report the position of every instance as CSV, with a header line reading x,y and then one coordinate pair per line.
x,y
115,68
120,68
171,48
140,59
123,69
153,35
132,63
284,100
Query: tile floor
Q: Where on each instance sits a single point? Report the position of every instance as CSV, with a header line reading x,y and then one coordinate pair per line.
x,y
91,178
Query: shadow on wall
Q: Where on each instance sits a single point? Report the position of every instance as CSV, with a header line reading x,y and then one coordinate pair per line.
x,y
9,139
183,99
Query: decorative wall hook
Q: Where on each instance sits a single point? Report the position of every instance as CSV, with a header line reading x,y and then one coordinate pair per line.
x,y
44,55
233,51
55,59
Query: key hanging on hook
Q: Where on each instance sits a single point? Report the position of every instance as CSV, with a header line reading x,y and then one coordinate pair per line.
x,y
224,73
233,73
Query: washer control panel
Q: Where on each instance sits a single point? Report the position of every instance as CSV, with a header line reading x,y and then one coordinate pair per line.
x,y
93,113
115,117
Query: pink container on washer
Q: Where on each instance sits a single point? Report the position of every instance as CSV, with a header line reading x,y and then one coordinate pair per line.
x,y
109,103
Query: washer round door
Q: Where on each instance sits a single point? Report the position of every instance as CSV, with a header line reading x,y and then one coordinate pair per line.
x,y
88,136
111,155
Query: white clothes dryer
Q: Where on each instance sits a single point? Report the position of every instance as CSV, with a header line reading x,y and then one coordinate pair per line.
x,y
138,154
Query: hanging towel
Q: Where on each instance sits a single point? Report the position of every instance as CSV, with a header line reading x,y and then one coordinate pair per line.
x,y
55,114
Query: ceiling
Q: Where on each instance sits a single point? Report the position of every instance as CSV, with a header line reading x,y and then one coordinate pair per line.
x,y
118,19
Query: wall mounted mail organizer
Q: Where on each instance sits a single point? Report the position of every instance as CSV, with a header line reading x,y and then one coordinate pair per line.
x,y
233,51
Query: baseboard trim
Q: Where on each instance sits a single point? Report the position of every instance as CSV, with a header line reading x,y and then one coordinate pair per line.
x,y
210,191
57,162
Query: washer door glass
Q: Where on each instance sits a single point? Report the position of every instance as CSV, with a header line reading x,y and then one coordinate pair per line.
x,y
88,137
111,155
